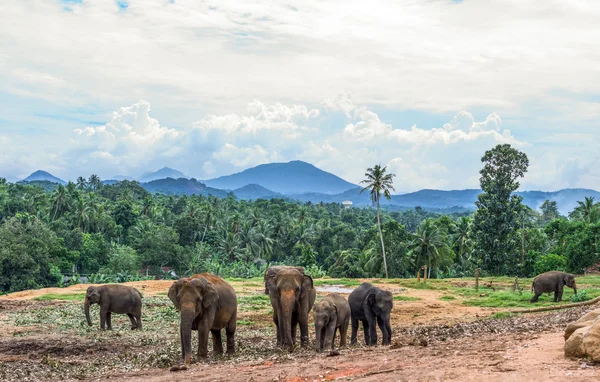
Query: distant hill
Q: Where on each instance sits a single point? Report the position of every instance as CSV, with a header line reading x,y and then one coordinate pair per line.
x,y
255,191
163,173
123,177
40,175
295,177
182,186
45,184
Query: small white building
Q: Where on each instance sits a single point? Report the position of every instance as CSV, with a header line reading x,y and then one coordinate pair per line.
x,y
346,204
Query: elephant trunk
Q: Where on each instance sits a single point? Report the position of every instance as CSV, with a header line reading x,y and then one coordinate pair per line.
x,y
287,307
86,307
185,332
318,330
574,287
388,329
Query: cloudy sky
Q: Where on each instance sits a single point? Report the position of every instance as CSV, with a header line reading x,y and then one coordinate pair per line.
x,y
210,88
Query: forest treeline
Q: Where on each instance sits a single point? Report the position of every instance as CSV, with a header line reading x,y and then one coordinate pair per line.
x,y
121,232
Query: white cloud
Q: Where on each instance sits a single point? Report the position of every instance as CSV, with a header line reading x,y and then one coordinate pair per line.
x,y
418,54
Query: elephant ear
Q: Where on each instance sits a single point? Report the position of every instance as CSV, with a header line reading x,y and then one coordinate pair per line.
x,y
207,291
369,298
307,285
174,291
270,283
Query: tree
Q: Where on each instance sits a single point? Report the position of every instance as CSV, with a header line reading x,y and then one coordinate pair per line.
x,y
81,183
430,247
496,221
586,211
549,212
378,182
94,182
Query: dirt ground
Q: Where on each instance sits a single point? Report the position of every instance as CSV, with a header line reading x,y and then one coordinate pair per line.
x,y
433,340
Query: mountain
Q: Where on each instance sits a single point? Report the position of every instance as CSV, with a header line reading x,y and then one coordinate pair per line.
x,y
295,177
43,175
182,186
255,191
163,173
122,177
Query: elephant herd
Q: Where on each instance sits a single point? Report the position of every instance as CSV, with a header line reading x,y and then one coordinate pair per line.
x,y
207,303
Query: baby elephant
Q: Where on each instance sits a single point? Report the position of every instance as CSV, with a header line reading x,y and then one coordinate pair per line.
x,y
372,306
331,314
553,281
114,298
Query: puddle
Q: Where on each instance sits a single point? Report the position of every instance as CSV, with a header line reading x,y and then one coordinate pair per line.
x,y
334,289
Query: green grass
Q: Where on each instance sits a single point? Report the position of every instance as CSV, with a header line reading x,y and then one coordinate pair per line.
x,y
502,315
508,299
254,302
64,297
245,322
344,282
447,298
430,284
405,298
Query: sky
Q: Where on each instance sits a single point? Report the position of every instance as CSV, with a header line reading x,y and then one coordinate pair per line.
x,y
209,88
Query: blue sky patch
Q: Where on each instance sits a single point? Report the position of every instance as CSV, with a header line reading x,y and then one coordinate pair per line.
x,y
122,4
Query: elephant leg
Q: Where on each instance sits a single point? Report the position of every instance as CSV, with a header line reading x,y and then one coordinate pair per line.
x,y
108,320
354,331
134,324
559,296
294,330
202,341
303,321
535,298
384,332
344,332
103,314
366,331
230,333
217,342
138,316
276,321
333,338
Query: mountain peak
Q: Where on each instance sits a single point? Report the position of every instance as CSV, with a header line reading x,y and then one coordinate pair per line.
x,y
293,177
165,172
41,175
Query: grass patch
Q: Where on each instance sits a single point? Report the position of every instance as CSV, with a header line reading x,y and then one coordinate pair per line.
x,y
406,298
245,322
344,282
412,283
502,315
254,302
447,298
64,297
508,299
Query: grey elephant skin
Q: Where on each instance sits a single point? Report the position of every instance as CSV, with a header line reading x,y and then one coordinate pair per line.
x,y
114,298
292,295
553,281
371,306
206,303
330,315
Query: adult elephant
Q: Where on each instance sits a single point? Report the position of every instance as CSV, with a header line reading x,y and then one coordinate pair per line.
x,y
292,296
207,303
114,298
372,306
553,281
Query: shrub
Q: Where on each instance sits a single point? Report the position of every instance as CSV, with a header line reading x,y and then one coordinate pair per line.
x,y
581,296
550,262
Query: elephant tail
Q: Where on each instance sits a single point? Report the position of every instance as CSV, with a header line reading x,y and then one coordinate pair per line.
x,y
532,284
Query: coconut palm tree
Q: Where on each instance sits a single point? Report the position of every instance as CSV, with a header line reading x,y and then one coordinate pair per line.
x,y
586,211
462,241
60,204
94,182
81,183
378,183
429,246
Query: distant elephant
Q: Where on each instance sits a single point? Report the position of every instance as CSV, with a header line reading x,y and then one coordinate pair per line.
x,y
331,314
292,296
207,303
553,281
372,306
114,298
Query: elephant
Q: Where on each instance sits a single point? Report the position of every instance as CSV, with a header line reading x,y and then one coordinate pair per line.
x,y
114,298
292,295
553,281
206,303
372,306
331,314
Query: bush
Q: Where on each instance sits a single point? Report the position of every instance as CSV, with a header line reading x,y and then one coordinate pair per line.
x,y
581,296
550,262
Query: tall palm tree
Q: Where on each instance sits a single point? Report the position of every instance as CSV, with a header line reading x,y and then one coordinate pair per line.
x,y
60,203
587,211
378,182
94,182
81,183
462,240
429,245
